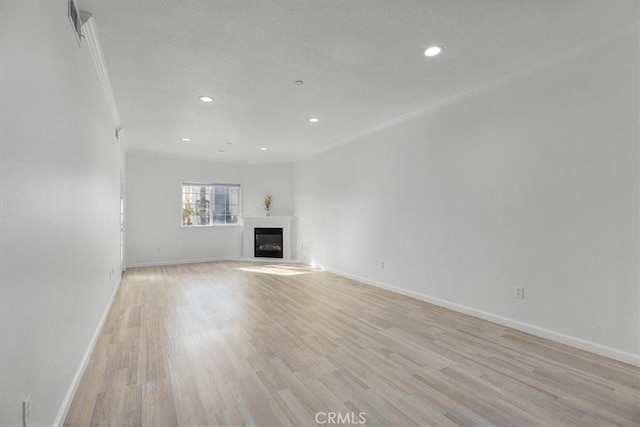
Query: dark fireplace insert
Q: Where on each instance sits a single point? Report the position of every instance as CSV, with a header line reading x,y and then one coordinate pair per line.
x,y
268,242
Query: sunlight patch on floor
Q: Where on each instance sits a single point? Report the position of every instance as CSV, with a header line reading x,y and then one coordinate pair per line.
x,y
279,270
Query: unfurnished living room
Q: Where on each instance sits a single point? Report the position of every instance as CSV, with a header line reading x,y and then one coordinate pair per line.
x,y
320,212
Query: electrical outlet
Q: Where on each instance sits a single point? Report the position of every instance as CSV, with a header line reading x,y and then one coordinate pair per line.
x,y
26,410
519,293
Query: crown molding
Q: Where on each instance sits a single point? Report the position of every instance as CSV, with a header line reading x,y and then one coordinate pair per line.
x,y
90,33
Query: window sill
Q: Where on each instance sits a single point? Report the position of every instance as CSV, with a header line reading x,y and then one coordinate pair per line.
x,y
210,226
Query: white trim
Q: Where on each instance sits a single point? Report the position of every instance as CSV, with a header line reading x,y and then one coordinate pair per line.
x,y
174,262
599,349
210,225
267,260
197,261
73,387
90,32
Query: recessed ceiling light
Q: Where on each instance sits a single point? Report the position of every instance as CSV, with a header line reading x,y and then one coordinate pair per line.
x,y
206,99
314,120
263,149
299,82
433,51
186,140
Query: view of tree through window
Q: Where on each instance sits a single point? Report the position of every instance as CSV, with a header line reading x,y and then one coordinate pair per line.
x,y
210,204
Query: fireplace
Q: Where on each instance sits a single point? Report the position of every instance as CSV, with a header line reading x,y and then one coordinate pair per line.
x,y
249,225
268,242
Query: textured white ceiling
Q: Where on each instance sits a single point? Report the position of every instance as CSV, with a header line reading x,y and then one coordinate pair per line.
x,y
361,61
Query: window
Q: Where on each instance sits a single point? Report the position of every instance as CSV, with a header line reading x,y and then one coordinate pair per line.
x,y
210,204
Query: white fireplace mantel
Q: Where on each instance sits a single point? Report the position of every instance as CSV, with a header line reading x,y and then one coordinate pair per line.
x,y
249,223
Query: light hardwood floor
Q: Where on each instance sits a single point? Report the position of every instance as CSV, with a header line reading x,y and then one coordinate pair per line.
x,y
233,343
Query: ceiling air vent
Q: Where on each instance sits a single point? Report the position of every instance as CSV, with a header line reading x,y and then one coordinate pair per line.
x,y
77,18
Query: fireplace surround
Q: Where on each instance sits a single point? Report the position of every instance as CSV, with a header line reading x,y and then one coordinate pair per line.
x,y
250,223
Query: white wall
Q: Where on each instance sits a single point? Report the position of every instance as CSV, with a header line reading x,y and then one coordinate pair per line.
x,y
154,195
60,205
261,179
532,184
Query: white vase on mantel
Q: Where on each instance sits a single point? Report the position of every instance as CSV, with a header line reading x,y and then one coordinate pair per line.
x,y
267,212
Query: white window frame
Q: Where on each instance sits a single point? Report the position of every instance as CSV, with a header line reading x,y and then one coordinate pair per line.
x,y
211,210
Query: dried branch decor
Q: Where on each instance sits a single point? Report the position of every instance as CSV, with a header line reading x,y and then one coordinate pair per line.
x,y
267,202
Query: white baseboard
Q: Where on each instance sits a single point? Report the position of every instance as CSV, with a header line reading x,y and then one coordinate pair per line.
x,y
266,260
196,261
175,262
612,353
73,387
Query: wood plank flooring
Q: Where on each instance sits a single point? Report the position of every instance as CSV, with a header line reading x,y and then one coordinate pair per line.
x,y
233,343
